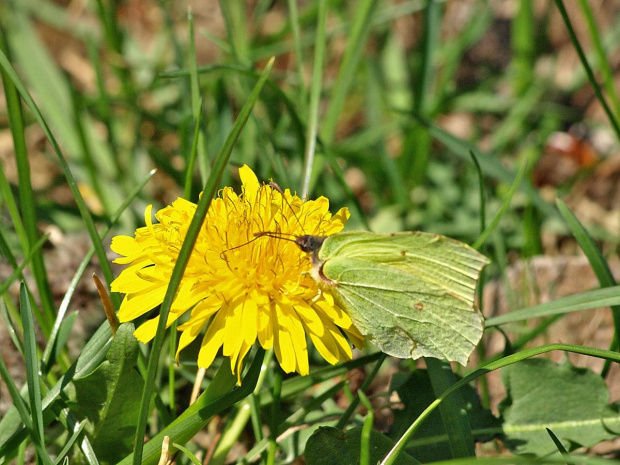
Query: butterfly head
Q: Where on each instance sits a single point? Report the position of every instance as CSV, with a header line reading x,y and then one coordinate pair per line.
x,y
310,244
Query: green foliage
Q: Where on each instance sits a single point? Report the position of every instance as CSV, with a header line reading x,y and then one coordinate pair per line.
x,y
110,397
330,446
378,105
431,441
572,402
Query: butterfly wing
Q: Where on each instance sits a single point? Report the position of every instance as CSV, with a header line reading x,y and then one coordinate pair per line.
x,y
411,294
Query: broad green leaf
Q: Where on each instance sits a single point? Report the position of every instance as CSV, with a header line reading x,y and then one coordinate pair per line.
x,y
452,411
330,446
110,397
572,402
411,294
430,442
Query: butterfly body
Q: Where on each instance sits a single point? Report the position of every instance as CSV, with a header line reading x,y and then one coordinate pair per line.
x,y
411,293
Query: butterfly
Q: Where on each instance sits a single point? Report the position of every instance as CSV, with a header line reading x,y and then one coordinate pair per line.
x,y
410,293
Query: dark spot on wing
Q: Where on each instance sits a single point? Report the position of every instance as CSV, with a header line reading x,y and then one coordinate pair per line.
x,y
403,252
418,306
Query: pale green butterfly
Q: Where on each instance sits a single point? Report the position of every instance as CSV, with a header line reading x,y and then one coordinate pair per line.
x,y
410,293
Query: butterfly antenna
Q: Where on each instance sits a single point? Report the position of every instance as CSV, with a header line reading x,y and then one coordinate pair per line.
x,y
276,186
275,235
223,253
279,189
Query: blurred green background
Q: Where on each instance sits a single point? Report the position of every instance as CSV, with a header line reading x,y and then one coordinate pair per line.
x,y
406,91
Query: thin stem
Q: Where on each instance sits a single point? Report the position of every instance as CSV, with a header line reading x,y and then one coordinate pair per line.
x,y
315,96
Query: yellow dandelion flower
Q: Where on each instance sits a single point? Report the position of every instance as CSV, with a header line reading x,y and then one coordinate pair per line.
x,y
238,287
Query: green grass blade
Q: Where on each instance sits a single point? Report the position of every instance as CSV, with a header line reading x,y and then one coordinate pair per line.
x,y
481,196
582,57
234,429
114,38
315,96
84,212
430,42
198,142
32,373
381,17
489,164
344,418
26,194
603,61
516,119
189,170
452,410
296,418
375,116
43,75
275,411
218,42
92,170
103,105
366,430
11,204
503,208
233,15
528,460
573,303
36,248
597,262
339,175
589,247
6,252
188,453
356,40
40,69
32,365
169,28
62,455
561,449
11,435
295,386
453,51
294,22
94,352
296,122
188,245
19,404
523,45
219,396
10,327
193,67
462,148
